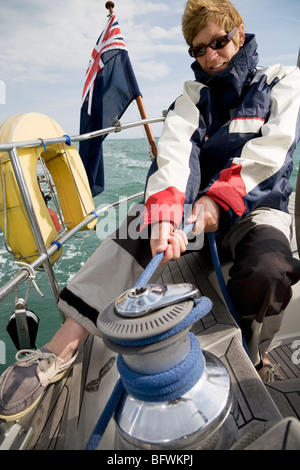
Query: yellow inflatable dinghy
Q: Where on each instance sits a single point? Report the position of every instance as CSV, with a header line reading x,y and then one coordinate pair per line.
x,y
68,174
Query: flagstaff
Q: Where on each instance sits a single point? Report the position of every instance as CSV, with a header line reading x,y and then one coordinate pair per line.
x,y
110,6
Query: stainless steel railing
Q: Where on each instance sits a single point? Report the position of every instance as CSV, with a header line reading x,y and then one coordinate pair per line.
x,y
44,252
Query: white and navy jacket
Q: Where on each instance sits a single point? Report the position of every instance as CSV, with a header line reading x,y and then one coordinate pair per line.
x,y
232,137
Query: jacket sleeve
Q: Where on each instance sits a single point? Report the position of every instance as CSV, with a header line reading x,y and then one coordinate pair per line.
x,y
165,195
265,162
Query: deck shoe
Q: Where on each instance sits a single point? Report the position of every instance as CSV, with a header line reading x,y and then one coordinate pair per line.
x,y
270,373
22,384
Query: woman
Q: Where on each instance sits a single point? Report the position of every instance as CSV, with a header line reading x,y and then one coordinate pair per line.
x,y
226,151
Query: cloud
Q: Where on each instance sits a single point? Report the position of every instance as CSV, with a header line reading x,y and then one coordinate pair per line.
x,y
40,44
279,58
152,70
133,9
49,41
46,46
160,33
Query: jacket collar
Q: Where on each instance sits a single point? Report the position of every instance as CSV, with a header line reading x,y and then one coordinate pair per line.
x,y
227,86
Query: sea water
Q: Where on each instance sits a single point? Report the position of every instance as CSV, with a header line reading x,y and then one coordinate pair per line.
x,y
126,164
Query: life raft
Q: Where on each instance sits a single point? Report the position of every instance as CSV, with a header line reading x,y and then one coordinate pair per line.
x,y
69,177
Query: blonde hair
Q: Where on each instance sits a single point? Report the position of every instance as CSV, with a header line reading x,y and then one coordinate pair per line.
x,y
198,13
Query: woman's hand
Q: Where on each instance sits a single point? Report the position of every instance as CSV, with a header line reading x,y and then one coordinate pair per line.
x,y
205,215
165,239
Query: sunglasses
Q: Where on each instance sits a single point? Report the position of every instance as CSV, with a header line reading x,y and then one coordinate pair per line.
x,y
216,44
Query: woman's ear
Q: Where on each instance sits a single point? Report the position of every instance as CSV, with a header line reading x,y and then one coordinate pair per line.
x,y
241,34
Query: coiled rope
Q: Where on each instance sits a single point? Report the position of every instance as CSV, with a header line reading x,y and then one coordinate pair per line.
x,y
169,384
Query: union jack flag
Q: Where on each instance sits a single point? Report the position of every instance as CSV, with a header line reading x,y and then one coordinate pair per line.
x,y
109,40
110,86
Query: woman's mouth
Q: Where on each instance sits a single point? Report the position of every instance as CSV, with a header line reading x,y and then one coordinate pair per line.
x,y
216,67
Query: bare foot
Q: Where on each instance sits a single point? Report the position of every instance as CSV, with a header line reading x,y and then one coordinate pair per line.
x,y
265,359
67,340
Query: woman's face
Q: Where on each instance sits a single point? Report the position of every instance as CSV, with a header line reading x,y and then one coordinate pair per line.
x,y
214,61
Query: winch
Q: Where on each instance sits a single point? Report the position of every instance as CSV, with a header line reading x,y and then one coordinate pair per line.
x,y
176,396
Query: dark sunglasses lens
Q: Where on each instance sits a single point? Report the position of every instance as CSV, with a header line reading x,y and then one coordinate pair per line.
x,y
223,42
200,51
219,43
196,52
216,44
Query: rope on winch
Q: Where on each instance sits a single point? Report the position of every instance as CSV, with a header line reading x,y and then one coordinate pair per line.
x,y
169,384
165,385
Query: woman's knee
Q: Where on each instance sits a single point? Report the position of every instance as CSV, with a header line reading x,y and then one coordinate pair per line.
x,y
263,271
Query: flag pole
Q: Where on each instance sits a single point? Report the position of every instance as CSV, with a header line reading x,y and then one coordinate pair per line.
x,y
110,6
147,127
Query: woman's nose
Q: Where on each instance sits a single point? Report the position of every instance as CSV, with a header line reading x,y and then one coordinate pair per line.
x,y
211,53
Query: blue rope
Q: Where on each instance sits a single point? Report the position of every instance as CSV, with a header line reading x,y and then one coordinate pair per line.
x,y
150,270
169,384
219,273
105,416
154,263
220,277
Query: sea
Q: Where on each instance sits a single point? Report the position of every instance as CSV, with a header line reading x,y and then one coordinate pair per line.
x,y
126,164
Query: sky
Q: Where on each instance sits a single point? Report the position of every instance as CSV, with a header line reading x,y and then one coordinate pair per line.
x,y
45,46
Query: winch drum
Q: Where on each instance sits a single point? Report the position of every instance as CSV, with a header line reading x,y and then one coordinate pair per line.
x,y
201,416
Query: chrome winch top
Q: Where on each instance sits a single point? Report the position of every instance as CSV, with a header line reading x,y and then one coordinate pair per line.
x,y
145,299
146,311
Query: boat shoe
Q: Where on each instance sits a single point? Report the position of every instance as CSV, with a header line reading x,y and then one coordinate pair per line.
x,y
270,373
22,384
